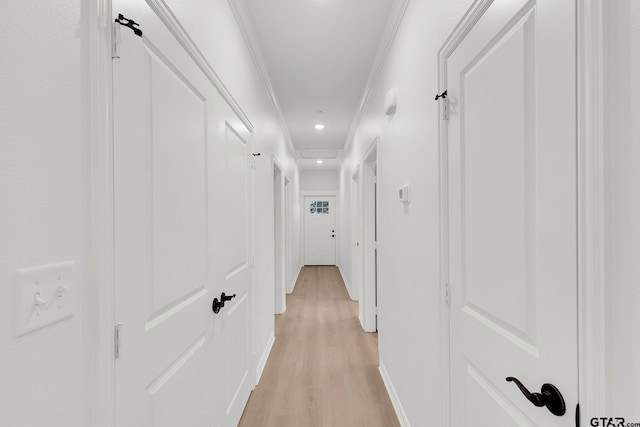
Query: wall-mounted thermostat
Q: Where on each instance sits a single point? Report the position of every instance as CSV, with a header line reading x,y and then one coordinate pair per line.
x,y
403,194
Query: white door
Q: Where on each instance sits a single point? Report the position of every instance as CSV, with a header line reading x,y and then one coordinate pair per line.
x,y
182,236
512,214
233,247
319,230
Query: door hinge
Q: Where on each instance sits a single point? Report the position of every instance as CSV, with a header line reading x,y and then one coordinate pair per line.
x,y
116,340
129,23
115,40
578,415
115,33
447,294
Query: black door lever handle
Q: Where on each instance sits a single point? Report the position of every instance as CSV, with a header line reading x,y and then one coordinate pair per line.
x,y
224,297
216,305
549,396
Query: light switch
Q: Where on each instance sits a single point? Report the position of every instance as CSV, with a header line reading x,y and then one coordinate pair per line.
x,y
43,295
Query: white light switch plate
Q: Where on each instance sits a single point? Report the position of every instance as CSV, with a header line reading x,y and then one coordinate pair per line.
x,y
43,295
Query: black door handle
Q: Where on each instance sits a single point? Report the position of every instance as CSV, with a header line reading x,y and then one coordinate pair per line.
x,y
550,397
216,305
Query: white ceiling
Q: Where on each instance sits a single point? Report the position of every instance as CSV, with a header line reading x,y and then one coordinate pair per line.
x,y
318,55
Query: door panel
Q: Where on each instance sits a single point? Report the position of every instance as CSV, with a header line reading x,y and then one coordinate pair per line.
x,y
236,190
512,213
499,207
174,389
319,230
178,184
237,276
182,193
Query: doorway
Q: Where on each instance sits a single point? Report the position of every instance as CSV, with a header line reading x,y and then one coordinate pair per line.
x,y
320,230
356,237
287,237
369,305
279,241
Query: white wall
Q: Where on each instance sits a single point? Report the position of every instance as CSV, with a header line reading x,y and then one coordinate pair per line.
x,y
43,201
46,377
408,243
622,87
319,180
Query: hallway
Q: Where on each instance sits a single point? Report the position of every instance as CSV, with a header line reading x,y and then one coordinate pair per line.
x,y
323,369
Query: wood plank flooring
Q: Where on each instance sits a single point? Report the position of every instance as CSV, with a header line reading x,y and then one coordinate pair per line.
x,y
323,369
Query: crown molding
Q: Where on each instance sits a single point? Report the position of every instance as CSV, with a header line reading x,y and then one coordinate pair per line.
x,y
245,23
398,9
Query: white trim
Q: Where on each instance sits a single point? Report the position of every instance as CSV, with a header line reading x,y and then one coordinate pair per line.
x,y
346,283
391,27
355,196
288,222
295,280
245,24
592,333
172,23
445,312
319,193
393,395
367,307
265,356
102,262
280,289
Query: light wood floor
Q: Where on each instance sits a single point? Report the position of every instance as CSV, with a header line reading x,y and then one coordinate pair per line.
x,y
323,369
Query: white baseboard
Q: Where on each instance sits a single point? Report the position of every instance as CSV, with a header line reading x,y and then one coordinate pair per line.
x,y
395,400
263,360
292,285
346,284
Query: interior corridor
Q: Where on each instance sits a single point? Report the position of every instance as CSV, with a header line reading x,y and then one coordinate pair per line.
x,y
323,369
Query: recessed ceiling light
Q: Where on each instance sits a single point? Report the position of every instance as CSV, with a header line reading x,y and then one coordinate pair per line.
x,y
319,126
319,161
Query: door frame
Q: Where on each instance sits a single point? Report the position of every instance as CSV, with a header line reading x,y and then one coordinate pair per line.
x,y
367,303
287,236
100,296
303,212
280,255
356,234
592,333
